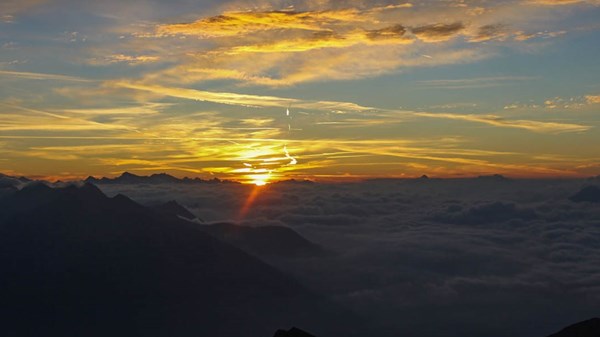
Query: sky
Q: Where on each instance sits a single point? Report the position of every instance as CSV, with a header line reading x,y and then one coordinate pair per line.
x,y
258,91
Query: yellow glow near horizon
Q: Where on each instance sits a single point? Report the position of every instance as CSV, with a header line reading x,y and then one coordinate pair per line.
x,y
259,182
259,179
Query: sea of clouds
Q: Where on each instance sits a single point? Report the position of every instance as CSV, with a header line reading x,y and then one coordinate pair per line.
x,y
427,257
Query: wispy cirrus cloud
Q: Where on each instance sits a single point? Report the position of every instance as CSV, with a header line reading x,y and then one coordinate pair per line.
x,y
122,58
41,76
18,118
241,99
480,82
9,9
279,102
535,126
579,103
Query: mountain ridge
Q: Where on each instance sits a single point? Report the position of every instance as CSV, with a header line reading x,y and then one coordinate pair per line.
x,y
79,263
158,178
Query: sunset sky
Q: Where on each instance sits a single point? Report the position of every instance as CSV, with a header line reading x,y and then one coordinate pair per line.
x,y
268,90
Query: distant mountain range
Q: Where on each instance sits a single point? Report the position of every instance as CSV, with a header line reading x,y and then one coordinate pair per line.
x,y
163,178
160,178
10,184
77,263
4,177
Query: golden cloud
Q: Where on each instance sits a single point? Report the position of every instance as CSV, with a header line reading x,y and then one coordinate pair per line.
x,y
242,23
324,41
384,36
593,99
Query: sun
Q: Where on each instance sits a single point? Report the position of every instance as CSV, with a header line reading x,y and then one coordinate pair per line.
x,y
259,179
259,182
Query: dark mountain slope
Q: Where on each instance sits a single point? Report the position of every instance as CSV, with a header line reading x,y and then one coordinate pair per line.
x,y
266,241
173,208
589,328
76,263
587,194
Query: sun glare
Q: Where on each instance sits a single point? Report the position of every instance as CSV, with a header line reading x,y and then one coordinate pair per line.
x,y
259,182
259,179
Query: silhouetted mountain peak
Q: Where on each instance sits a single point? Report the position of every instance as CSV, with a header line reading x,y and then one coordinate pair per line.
x,y
295,182
587,194
128,175
36,187
129,178
36,190
85,191
163,177
21,178
589,328
293,332
493,177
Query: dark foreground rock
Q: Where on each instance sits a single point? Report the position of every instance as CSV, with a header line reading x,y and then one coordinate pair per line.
x,y
589,328
293,332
